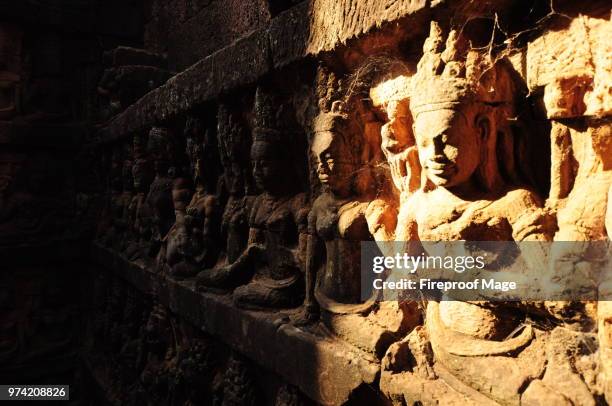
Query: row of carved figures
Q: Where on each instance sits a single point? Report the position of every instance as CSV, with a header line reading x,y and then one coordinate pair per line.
x,y
144,355
449,161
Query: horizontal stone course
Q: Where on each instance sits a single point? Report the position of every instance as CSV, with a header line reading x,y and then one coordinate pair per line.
x,y
286,40
326,370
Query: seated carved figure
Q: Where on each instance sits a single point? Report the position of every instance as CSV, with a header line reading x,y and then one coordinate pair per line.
x,y
340,219
192,242
234,146
460,102
140,221
159,199
276,224
174,251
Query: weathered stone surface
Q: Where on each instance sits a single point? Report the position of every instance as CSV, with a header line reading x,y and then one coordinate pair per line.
x,y
238,65
573,62
335,22
190,30
327,371
286,40
289,35
231,201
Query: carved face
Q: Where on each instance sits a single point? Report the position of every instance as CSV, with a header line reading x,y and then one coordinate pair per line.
x,y
448,145
332,158
267,166
396,135
11,69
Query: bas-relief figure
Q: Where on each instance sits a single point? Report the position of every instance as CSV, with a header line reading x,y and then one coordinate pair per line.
x,y
234,150
233,233
271,265
139,216
159,201
341,217
192,242
451,144
460,104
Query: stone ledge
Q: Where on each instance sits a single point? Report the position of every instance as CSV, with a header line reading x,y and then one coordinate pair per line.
x,y
326,370
286,40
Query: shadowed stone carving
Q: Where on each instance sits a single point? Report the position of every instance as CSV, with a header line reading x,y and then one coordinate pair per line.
x,y
276,220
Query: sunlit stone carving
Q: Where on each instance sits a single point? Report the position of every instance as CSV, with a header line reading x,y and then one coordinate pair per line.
x,y
460,101
341,217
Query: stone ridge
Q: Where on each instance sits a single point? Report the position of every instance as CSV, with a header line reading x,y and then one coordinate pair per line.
x,y
243,62
328,371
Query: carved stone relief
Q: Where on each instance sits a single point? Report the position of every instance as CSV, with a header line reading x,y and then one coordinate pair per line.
x,y
437,144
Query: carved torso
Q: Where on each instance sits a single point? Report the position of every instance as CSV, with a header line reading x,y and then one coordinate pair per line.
x,y
275,223
515,215
342,225
159,202
235,225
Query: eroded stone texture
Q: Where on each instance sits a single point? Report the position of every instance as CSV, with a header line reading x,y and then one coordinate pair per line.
x,y
461,123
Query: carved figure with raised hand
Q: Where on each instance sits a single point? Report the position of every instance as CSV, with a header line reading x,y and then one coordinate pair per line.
x,y
140,221
340,219
234,146
192,242
460,101
271,264
159,199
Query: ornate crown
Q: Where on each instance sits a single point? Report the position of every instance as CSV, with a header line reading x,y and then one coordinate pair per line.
x,y
452,73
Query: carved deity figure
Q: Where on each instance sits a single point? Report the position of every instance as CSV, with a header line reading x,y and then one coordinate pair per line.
x,y
234,147
140,220
159,199
340,219
193,240
233,144
272,261
460,102
158,354
578,108
174,253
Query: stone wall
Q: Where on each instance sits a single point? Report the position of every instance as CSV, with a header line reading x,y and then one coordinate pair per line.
x,y
243,152
259,169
